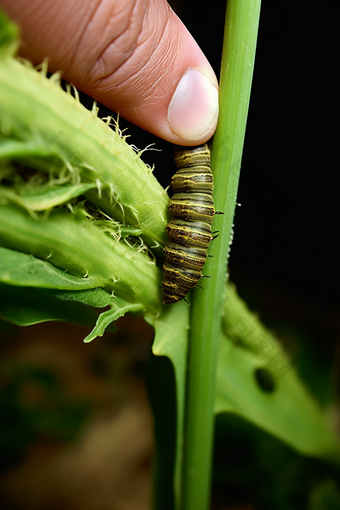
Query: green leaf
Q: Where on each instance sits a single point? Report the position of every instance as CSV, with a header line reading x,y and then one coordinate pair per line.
x,y
97,298
26,306
118,309
256,381
45,197
24,270
171,340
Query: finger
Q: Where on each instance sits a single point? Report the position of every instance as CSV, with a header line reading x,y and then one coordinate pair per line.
x,y
136,57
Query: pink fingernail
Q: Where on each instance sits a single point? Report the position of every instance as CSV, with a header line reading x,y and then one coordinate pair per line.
x,y
193,110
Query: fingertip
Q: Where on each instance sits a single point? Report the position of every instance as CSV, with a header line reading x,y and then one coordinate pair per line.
x,y
193,109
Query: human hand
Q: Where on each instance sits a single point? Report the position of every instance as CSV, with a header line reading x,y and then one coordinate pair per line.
x,y
136,57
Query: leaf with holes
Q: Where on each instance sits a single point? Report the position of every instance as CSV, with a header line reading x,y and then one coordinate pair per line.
x,y
255,380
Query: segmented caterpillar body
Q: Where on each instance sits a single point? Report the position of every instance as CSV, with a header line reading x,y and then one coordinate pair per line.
x,y
189,231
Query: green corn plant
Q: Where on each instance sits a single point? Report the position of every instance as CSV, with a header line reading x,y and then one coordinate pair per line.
x,y
82,225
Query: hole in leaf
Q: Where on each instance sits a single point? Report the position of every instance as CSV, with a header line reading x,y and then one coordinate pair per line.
x,y
265,380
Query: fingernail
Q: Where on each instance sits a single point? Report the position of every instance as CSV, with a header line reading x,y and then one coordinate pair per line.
x,y
193,110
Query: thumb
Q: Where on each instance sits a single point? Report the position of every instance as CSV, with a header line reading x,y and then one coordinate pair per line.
x,y
136,57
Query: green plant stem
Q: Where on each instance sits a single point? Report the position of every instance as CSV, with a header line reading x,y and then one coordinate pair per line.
x,y
239,46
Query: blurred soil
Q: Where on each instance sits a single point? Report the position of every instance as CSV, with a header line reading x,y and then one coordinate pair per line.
x,y
107,465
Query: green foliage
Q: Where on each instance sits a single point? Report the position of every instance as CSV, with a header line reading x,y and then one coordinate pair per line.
x,y
45,197
65,198
256,381
67,241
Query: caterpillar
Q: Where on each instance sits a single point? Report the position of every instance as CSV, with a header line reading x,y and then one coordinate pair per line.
x,y
189,230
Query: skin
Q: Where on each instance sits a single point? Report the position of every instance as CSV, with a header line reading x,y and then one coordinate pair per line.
x,y
129,55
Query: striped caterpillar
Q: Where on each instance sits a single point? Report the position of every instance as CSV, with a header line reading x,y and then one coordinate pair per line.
x,y
189,230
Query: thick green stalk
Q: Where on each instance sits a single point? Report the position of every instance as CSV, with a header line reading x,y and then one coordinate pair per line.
x,y
239,46
78,246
